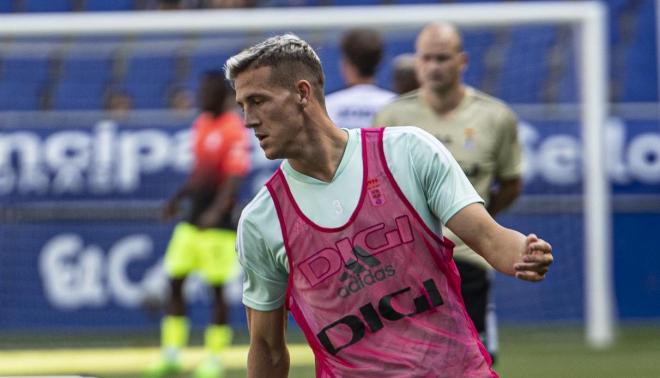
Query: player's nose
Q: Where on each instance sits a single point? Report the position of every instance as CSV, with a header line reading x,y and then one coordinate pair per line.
x,y
251,121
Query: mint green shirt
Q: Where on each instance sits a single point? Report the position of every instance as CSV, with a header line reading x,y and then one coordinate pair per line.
x,y
425,171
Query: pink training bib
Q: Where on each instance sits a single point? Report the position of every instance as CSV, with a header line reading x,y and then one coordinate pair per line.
x,y
380,295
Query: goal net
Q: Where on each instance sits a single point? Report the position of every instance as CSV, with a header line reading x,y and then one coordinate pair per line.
x,y
82,177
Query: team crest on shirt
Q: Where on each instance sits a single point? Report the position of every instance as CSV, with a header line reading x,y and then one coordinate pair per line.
x,y
376,196
470,142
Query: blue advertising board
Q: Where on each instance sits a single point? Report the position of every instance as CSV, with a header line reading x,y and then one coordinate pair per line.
x,y
62,272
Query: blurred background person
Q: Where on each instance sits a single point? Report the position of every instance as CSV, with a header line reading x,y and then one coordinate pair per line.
x,y
171,5
222,4
481,133
117,102
404,77
355,106
204,241
180,99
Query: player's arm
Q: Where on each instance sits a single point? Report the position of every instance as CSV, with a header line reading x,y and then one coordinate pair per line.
x,y
451,197
171,207
507,250
264,289
268,355
222,202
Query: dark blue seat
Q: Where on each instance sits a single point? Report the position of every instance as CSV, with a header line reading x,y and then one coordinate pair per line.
x,y
395,44
211,52
150,69
202,62
356,2
525,70
410,2
75,95
21,69
148,95
109,5
292,3
20,95
640,74
476,43
330,56
569,87
86,69
6,6
48,5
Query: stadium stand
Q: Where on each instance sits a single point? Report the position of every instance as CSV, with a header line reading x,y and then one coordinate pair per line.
x,y
55,82
107,6
48,6
509,83
72,95
19,96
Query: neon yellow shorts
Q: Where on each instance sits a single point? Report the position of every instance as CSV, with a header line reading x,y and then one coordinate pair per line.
x,y
210,252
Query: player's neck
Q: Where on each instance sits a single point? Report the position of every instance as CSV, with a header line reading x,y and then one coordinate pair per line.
x,y
322,148
446,101
360,80
353,77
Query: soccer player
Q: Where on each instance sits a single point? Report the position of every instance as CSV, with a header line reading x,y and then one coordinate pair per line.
x,y
346,234
481,133
404,77
355,106
205,241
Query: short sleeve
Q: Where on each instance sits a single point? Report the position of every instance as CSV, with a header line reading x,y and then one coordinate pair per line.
x,y
508,159
445,186
264,280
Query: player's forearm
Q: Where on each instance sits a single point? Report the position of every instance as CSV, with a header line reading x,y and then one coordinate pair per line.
x,y
265,361
502,248
224,198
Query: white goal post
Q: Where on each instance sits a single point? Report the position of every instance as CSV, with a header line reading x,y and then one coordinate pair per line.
x,y
587,18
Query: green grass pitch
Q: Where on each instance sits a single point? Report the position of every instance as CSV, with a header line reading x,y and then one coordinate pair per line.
x,y
524,352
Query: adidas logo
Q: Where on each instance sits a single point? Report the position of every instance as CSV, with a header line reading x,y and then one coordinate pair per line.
x,y
362,277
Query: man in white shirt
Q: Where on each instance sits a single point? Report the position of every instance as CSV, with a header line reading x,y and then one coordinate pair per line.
x,y
355,106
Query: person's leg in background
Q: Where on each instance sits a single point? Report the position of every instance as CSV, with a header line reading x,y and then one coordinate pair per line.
x,y
180,260
219,265
475,289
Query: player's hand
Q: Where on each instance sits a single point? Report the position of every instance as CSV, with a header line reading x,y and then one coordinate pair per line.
x,y
536,259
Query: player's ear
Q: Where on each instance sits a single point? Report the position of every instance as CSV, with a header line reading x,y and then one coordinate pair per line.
x,y
304,89
465,60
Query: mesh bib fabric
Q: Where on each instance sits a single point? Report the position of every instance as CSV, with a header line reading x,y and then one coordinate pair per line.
x,y
380,295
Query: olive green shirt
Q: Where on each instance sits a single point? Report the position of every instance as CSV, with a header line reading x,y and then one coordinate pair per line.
x,y
481,134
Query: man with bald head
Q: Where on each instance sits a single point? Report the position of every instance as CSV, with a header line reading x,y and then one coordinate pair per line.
x,y
480,131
